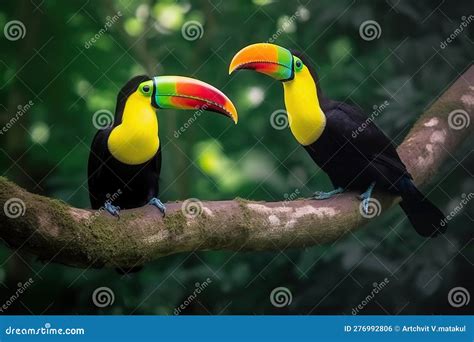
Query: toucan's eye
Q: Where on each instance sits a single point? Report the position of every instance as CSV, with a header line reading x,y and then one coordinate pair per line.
x,y
298,65
145,89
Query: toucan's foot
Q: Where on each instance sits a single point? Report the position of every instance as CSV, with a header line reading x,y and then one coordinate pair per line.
x,y
320,195
365,197
157,203
112,209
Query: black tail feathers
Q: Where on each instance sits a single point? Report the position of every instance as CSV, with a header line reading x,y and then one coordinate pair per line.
x,y
424,216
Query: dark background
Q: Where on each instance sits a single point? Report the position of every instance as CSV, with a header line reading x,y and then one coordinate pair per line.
x,y
46,151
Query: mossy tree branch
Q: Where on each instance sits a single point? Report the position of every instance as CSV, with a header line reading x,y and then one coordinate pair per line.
x,y
56,232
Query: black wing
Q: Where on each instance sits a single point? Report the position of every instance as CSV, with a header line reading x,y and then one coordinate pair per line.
x,y
97,157
350,126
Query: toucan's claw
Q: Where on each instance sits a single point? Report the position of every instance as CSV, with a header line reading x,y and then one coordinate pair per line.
x,y
365,197
112,209
157,203
368,193
321,195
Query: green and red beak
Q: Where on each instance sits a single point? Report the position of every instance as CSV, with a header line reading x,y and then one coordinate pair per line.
x,y
177,92
268,59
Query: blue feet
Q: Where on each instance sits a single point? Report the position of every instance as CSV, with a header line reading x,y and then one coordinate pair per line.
x,y
157,203
320,195
112,209
365,198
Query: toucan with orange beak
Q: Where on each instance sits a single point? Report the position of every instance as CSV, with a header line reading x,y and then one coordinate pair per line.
x,y
325,128
125,158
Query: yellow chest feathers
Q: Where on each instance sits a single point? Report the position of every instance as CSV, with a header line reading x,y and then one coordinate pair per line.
x,y
305,116
135,140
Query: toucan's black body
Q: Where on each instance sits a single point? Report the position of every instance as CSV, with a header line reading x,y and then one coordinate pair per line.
x,y
126,186
356,162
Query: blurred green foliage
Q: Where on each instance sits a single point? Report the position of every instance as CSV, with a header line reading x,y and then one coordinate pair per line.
x,y
68,79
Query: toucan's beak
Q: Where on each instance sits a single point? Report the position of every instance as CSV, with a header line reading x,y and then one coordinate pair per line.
x,y
268,59
177,92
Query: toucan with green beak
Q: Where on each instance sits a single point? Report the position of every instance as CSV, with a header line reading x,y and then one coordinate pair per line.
x,y
325,128
125,158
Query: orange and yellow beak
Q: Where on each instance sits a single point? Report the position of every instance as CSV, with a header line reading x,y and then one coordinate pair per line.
x,y
177,92
268,59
